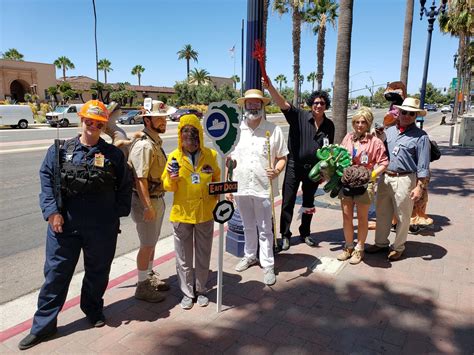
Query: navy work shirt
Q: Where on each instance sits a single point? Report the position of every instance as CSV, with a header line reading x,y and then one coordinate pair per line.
x,y
408,151
91,208
303,138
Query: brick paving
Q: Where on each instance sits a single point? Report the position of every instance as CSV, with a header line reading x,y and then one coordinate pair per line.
x,y
422,303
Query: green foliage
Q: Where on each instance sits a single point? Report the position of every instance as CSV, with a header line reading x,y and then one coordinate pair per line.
x,y
186,94
270,109
287,93
65,86
12,54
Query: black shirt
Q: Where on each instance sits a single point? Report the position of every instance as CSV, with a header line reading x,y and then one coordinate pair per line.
x,y
303,139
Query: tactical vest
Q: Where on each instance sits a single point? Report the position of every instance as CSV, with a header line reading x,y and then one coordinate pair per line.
x,y
84,178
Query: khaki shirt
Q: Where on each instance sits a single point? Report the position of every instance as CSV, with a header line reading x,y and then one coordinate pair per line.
x,y
148,160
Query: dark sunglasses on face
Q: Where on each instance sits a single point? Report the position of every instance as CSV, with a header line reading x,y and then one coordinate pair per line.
x,y
89,123
319,103
412,114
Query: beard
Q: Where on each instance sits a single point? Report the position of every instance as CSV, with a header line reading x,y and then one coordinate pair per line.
x,y
253,115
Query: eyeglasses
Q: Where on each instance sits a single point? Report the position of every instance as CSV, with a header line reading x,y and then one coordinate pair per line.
x,y
89,123
319,103
412,114
255,105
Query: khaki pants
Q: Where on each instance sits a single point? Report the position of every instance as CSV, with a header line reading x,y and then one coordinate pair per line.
x,y
393,197
186,238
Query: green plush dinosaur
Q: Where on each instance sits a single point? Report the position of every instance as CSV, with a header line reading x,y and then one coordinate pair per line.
x,y
333,159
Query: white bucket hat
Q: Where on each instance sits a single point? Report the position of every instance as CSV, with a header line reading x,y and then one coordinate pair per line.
x,y
412,104
159,108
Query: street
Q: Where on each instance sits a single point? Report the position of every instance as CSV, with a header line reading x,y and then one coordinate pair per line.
x,y
23,228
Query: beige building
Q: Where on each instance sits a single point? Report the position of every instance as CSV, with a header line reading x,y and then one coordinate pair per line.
x,y
19,77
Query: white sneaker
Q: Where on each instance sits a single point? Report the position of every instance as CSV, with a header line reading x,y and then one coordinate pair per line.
x,y
269,277
245,263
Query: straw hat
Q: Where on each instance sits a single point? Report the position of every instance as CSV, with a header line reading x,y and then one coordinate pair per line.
x,y
412,104
253,94
159,108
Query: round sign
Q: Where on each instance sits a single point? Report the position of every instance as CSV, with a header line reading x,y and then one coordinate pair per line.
x,y
217,124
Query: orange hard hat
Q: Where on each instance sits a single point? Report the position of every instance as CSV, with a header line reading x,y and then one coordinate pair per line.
x,y
95,110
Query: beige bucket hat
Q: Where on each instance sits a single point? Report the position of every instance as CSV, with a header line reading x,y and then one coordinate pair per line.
x,y
411,104
253,94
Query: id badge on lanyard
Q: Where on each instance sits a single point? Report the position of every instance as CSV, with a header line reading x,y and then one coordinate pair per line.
x,y
195,178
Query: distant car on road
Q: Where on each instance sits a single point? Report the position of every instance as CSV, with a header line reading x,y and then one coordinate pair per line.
x,y
131,117
431,107
445,109
184,111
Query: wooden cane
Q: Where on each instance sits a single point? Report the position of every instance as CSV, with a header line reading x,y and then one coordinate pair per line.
x,y
272,199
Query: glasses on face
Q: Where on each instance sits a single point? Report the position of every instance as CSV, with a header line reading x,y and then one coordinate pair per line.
x,y
412,114
319,103
98,124
256,105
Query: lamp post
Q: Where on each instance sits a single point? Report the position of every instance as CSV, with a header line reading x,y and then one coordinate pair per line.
x,y
431,15
361,72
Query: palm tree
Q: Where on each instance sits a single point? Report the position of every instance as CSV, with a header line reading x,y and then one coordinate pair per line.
x,y
199,76
280,79
319,14
138,70
311,78
296,7
343,60
104,64
53,91
188,53
407,42
235,79
64,63
266,5
458,22
12,54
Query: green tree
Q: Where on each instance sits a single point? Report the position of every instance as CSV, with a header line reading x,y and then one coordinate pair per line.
x,y
138,70
343,60
188,53
12,54
235,79
105,65
280,79
319,14
199,76
311,78
53,91
296,7
64,63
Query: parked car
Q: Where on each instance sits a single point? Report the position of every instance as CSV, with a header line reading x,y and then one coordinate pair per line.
x,y
131,117
431,107
184,111
64,115
16,116
445,109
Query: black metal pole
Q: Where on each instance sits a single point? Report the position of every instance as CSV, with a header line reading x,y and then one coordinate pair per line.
x,y
242,61
95,40
253,73
431,20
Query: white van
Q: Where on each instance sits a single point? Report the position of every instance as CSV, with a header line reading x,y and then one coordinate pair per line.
x,y
16,116
64,115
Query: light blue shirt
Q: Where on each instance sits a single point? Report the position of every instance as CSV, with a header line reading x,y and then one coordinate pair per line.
x,y
408,151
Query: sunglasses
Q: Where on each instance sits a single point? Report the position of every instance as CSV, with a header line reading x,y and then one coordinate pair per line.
x,y
412,114
319,103
98,124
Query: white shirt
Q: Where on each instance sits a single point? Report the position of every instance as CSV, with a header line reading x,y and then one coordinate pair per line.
x,y
252,158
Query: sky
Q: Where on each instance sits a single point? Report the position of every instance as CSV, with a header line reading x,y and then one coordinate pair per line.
x,y
151,32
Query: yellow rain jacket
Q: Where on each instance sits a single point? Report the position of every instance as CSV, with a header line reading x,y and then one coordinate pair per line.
x,y
192,202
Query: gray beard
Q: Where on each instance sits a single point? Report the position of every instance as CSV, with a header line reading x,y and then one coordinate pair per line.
x,y
253,115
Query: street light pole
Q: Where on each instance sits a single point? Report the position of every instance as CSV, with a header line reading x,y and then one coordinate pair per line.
x,y
431,15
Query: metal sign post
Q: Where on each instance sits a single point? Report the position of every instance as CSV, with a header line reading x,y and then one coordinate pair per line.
x,y
222,125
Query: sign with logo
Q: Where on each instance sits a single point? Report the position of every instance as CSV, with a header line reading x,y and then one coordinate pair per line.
x,y
218,188
223,211
222,125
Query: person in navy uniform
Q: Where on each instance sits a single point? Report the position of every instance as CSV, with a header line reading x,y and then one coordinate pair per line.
x,y
96,188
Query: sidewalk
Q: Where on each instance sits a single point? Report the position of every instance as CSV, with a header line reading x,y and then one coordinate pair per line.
x,y
422,303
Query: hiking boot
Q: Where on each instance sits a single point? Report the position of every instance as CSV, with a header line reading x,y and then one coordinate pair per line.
x,y
356,257
156,282
147,292
308,241
31,340
245,263
346,254
202,301
269,277
394,255
187,302
285,243
372,249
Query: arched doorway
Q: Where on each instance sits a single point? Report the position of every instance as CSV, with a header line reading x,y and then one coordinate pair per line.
x,y
18,89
